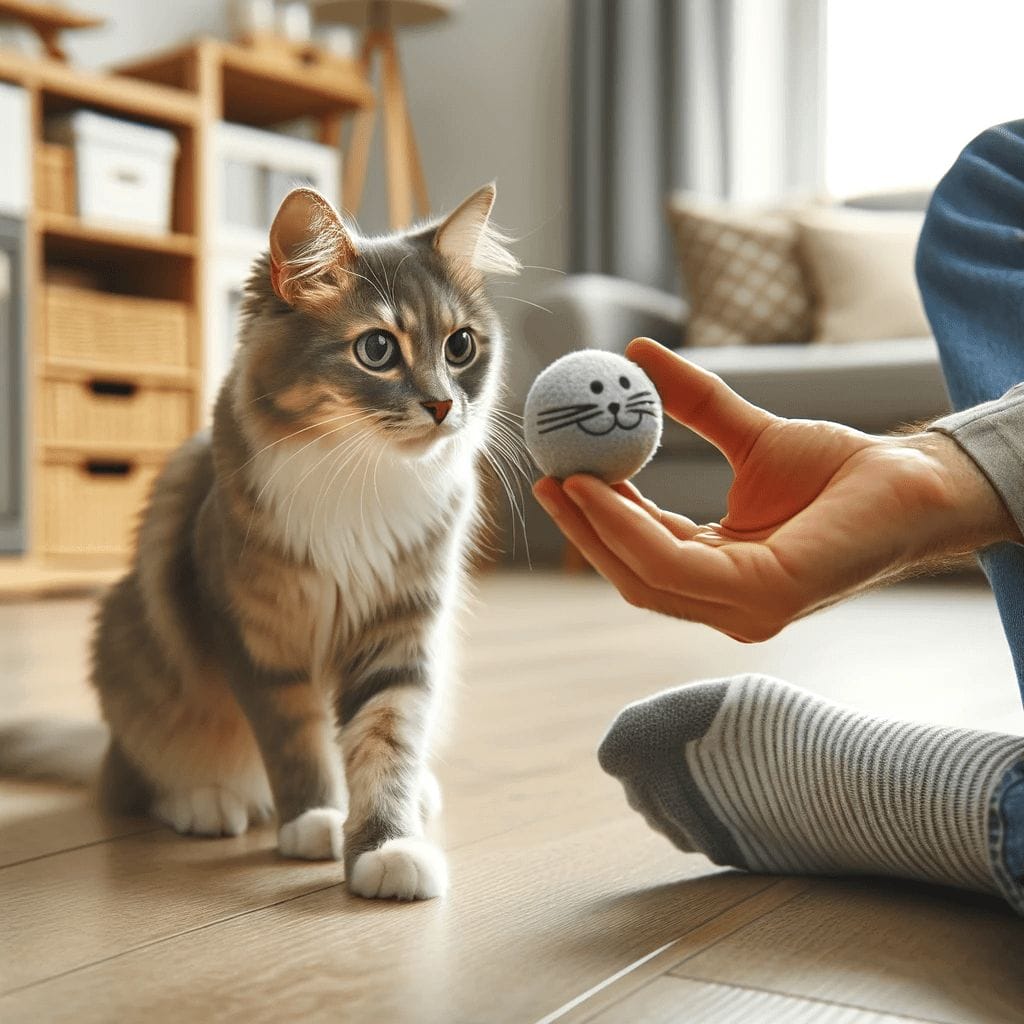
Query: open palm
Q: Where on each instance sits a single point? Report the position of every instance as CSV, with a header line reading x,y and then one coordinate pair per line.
x,y
816,511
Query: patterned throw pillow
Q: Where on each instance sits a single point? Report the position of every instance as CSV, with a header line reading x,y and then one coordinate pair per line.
x,y
742,275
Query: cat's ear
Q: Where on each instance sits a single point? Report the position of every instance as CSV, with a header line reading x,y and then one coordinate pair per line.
x,y
467,236
309,250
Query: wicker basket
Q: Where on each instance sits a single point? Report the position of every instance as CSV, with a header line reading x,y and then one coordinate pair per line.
x,y
124,330
108,411
55,178
92,507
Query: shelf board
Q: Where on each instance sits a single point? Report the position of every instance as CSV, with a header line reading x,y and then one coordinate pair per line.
x,y
62,226
147,454
32,577
147,101
181,378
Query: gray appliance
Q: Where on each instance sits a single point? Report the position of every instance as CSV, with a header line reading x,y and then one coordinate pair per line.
x,y
12,390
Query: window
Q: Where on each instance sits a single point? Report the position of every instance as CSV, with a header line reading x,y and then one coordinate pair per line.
x,y
909,84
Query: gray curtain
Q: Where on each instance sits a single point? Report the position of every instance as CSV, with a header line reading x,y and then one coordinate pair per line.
x,y
719,97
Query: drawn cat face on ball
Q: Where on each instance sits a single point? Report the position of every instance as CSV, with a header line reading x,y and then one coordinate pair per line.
x,y
592,412
617,405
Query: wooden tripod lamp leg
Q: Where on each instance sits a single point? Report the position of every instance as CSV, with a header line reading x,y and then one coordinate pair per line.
x,y
397,136
357,158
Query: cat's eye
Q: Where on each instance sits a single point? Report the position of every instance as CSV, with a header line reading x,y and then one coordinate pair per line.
x,y
377,350
460,348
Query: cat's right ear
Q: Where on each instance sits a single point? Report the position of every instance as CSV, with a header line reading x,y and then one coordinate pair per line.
x,y
309,250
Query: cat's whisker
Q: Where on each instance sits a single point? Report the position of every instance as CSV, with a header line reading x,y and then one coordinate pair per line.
x,y
372,284
357,461
294,433
305,476
394,277
344,454
534,266
514,450
514,417
518,513
270,479
527,302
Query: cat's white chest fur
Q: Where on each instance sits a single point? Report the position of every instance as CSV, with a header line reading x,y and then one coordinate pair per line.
x,y
351,517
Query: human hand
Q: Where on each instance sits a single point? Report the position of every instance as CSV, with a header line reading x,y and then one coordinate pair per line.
x,y
816,511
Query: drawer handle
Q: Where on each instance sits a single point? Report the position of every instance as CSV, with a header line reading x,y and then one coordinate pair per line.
x,y
108,467
113,388
127,177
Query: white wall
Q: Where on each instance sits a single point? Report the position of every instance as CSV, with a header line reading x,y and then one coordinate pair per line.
x,y
488,94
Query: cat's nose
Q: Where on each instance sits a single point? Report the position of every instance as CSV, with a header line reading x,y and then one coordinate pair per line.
x,y
438,409
614,407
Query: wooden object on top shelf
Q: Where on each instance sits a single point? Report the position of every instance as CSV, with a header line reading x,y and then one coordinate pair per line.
x,y
260,85
47,21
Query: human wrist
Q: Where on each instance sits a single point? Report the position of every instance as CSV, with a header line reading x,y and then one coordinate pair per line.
x,y
960,509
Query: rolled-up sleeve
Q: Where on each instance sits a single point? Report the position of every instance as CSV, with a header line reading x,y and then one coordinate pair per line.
x,y
992,434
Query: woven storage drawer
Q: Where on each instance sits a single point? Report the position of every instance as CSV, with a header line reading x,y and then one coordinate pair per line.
x,y
92,507
107,328
55,178
106,410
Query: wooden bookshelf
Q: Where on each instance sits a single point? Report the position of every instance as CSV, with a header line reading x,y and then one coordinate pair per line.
x,y
186,90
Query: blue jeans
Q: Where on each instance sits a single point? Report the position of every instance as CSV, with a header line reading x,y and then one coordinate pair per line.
x,y
970,268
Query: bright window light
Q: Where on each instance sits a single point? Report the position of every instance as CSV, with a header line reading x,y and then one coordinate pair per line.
x,y
910,82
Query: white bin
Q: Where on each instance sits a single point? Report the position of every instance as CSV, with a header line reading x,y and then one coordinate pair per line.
x,y
14,151
124,172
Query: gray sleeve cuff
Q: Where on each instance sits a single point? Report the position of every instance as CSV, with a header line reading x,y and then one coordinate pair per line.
x,y
992,434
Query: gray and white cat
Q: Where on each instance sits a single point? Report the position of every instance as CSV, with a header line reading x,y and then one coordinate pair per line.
x,y
285,627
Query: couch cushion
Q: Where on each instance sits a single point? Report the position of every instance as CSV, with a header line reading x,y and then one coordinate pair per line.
x,y
871,385
861,266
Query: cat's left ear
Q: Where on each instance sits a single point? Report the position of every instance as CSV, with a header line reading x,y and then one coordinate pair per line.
x,y
467,236
310,249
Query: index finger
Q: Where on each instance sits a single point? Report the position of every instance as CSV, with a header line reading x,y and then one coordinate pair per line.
x,y
701,400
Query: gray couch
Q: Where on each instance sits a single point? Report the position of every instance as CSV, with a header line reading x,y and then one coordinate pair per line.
x,y
872,385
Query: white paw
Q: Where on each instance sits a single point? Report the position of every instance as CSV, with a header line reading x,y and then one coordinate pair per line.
x,y
313,835
402,869
430,796
208,811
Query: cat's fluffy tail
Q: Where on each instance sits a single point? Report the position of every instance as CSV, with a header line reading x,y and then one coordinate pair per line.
x,y
59,751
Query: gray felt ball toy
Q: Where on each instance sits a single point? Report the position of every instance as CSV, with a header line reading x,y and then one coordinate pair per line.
x,y
592,412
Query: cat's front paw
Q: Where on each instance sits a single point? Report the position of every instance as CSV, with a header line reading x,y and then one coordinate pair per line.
x,y
206,811
401,869
313,835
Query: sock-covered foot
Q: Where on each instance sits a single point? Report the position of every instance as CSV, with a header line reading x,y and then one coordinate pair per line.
x,y
760,775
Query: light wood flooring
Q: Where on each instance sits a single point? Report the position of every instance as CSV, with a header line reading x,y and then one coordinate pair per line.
x,y
564,906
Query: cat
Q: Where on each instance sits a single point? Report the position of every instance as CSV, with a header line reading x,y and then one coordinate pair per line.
x,y
284,632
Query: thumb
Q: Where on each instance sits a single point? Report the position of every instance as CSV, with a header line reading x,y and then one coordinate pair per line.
x,y
701,400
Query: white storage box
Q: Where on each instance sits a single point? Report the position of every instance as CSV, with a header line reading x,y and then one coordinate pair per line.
x,y
124,172
14,151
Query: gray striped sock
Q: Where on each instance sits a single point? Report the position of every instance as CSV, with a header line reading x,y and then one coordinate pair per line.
x,y
760,775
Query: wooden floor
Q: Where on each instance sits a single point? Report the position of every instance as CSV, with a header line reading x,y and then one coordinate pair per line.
x,y
564,906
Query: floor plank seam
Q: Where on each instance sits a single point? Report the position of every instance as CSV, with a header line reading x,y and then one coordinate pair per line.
x,y
82,846
802,997
578,1001
165,938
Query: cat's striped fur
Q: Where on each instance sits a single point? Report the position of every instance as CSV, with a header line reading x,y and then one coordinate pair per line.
x,y
298,570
